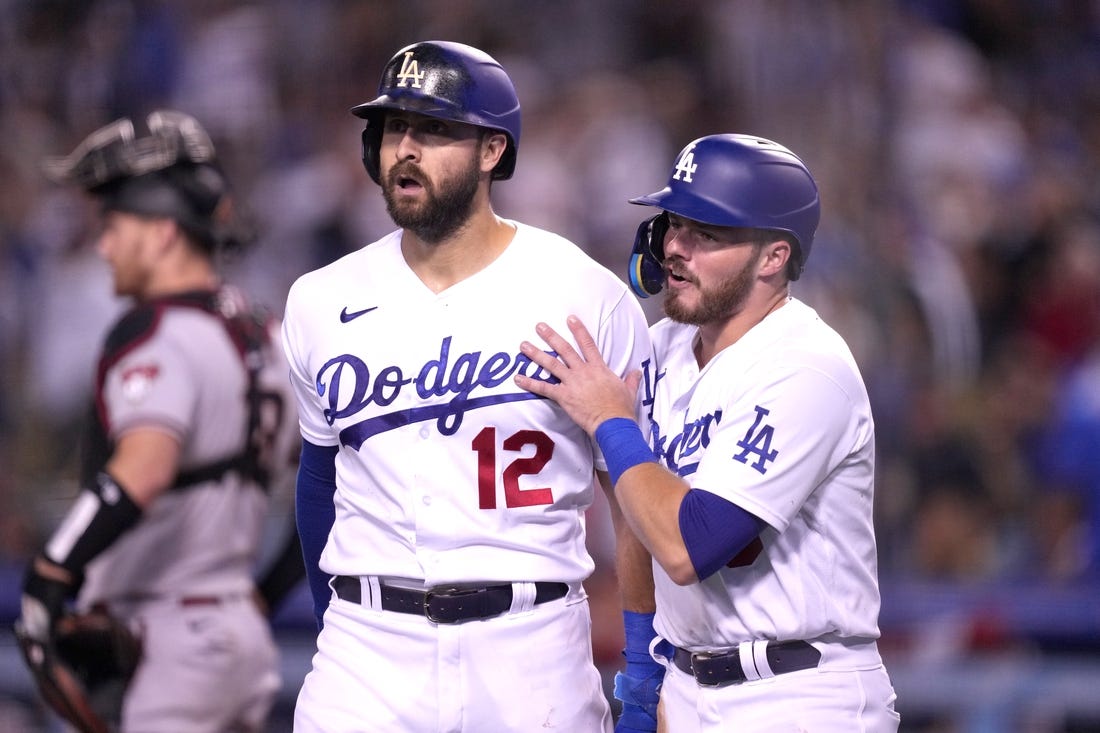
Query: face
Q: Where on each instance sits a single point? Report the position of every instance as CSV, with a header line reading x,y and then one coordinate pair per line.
x,y
123,244
430,173
711,270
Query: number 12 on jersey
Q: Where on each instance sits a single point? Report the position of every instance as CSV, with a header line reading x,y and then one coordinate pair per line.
x,y
485,446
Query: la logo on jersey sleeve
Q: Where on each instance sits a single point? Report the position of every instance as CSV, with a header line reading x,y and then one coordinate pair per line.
x,y
757,443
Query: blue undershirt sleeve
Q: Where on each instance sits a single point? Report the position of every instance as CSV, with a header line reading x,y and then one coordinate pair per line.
x,y
715,530
316,512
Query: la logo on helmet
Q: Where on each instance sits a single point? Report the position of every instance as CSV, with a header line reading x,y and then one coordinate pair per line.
x,y
410,71
686,165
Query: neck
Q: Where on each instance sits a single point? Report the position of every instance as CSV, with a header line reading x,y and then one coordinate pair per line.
x,y
191,274
714,337
439,265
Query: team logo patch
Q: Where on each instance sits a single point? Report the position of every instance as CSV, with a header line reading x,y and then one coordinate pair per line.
x,y
686,166
138,380
757,443
410,74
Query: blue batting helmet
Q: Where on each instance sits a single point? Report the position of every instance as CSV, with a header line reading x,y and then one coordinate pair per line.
x,y
451,81
733,181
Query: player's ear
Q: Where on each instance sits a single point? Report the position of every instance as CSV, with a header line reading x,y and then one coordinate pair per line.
x,y
493,145
777,253
160,234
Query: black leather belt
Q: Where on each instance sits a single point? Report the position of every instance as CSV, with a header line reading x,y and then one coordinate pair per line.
x,y
715,669
446,605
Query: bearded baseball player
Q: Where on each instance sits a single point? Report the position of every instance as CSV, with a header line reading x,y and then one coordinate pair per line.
x,y
442,508
754,492
192,407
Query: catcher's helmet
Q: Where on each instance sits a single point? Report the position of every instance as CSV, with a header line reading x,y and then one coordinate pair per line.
x,y
734,181
451,81
167,168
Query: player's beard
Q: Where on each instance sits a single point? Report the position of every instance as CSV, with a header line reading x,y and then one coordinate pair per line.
x,y
715,304
442,212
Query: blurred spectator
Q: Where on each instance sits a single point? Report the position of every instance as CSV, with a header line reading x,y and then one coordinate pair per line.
x,y
1069,460
954,535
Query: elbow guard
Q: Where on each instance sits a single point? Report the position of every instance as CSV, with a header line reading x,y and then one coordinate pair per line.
x,y
100,515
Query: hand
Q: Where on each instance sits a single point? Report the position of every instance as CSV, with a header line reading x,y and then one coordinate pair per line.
x,y
45,588
83,671
587,389
640,699
638,687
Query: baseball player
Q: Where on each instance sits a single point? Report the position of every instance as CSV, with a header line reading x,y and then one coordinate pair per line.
x,y
754,492
441,508
192,409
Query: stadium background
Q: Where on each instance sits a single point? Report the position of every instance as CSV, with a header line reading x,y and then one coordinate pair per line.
x,y
957,145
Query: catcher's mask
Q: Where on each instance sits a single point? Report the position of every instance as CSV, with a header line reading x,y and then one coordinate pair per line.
x,y
731,181
168,168
449,81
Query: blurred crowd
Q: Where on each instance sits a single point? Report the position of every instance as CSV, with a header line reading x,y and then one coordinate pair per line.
x,y
956,145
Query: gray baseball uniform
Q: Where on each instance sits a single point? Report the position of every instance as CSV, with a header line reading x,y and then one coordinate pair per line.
x,y
184,573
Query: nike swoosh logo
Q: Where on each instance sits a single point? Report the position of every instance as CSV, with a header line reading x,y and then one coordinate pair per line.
x,y
345,317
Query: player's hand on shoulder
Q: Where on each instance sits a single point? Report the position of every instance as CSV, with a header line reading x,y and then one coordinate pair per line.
x,y
580,382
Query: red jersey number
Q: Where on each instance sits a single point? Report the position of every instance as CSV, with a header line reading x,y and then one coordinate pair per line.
x,y
485,445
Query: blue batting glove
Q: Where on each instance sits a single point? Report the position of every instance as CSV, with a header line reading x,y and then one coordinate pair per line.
x,y
638,686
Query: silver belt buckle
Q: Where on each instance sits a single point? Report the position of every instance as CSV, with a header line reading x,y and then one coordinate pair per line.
x,y
711,655
450,592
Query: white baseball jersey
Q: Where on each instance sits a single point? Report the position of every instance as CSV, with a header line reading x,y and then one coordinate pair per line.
x,y
778,423
447,471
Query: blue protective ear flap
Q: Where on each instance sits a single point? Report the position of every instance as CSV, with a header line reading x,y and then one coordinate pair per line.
x,y
647,276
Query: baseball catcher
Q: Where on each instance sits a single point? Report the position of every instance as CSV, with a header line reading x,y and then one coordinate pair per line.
x,y
189,426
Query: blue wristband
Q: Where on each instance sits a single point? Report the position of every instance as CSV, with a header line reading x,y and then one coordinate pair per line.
x,y
620,439
638,632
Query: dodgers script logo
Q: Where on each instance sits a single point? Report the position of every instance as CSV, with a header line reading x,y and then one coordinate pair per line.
x,y
682,452
687,445
348,387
